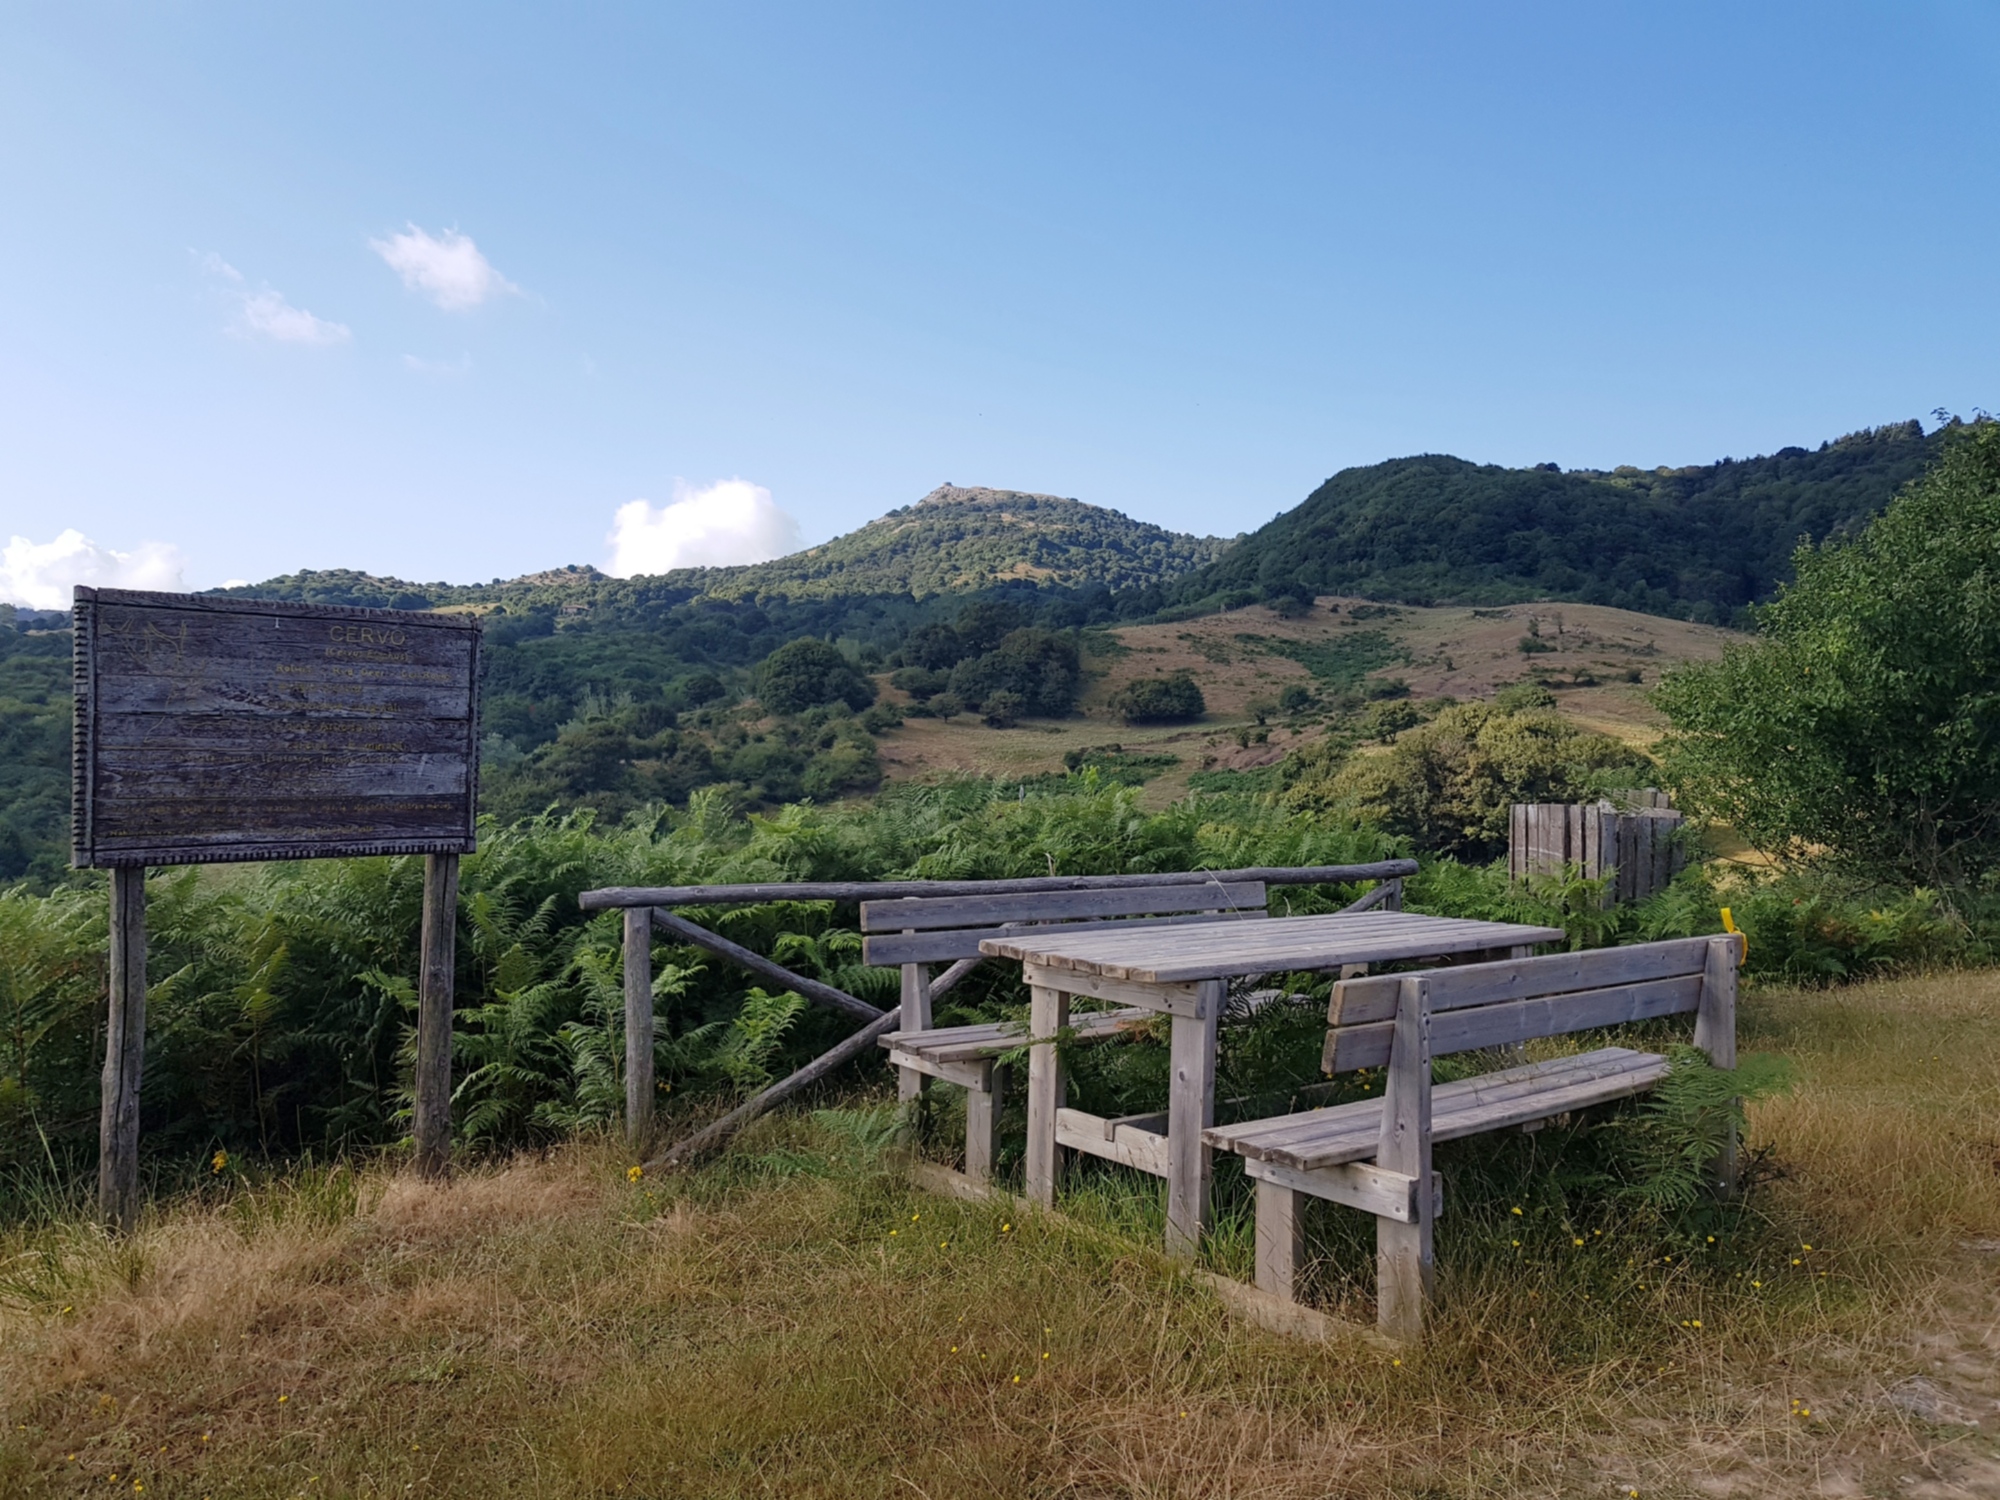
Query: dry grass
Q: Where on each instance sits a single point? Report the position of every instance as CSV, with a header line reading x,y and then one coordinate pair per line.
x,y
795,1320
1451,651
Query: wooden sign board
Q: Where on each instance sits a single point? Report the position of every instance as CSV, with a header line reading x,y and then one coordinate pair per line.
x,y
215,729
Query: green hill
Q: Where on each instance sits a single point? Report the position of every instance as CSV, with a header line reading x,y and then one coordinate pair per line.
x,y
1696,543
954,540
957,539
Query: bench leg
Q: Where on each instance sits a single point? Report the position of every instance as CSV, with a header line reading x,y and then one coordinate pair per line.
x,y
1048,1013
1715,1034
1403,1253
1280,1240
982,1124
1190,1111
916,1016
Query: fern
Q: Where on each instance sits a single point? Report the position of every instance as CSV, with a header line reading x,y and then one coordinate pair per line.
x,y
1669,1144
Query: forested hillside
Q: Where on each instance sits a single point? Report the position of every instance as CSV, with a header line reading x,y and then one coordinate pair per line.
x,y
1696,543
954,540
611,693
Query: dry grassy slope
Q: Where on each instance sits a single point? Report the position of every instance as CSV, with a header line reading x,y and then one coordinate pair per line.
x,y
1455,651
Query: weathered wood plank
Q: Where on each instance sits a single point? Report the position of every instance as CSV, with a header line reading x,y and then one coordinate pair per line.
x,y
957,1044
1405,1257
124,1055
967,1075
891,948
928,913
982,1123
714,1136
1351,1047
639,1082
1356,1184
872,890
1191,1110
1297,1138
1284,944
1048,1013
1497,1101
823,994
1167,999
1142,1150
1281,1240
431,1123
1358,1002
1715,1034
211,730
915,1010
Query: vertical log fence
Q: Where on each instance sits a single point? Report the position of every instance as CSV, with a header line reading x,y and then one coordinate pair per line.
x,y
1635,845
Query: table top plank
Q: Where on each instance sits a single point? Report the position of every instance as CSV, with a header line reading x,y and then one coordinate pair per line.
x,y
1279,945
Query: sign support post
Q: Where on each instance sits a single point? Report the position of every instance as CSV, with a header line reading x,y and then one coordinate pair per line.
x,y
434,995
124,1053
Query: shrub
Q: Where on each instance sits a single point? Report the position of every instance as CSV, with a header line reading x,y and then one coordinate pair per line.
x,y
1161,700
808,673
1003,710
1447,785
1294,698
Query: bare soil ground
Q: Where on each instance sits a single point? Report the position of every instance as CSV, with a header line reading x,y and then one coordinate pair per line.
x,y
1238,659
796,1320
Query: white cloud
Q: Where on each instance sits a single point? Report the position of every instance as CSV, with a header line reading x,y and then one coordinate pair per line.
x,y
440,369
734,521
448,270
266,313
40,575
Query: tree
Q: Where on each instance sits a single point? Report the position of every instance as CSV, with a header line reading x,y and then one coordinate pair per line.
x,y
1447,785
1161,700
1040,667
807,673
1863,727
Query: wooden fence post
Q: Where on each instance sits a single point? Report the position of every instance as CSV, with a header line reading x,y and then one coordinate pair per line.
x,y
638,1026
432,1124
124,1053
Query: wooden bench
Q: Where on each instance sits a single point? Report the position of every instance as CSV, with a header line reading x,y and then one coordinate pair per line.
x,y
916,932
1375,1154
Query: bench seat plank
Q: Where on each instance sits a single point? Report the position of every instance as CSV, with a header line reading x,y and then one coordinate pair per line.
x,y
1280,1132
1471,1106
949,1044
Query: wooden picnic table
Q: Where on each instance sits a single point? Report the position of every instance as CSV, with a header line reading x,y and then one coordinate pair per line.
x,y
1184,972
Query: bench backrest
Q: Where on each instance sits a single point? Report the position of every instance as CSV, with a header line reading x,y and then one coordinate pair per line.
x,y
1498,1004
939,929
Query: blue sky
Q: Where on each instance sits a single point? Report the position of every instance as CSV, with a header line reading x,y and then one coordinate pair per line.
x,y
1182,261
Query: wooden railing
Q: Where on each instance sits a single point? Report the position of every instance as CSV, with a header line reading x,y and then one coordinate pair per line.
x,y
648,910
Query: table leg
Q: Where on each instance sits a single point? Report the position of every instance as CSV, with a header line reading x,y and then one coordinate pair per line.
x,y
1191,1110
1048,1013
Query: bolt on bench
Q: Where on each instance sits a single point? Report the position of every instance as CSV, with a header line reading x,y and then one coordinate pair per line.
x,y
916,932
1375,1154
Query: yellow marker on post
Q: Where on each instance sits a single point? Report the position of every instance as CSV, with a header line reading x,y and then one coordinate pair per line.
x,y
1729,926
